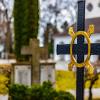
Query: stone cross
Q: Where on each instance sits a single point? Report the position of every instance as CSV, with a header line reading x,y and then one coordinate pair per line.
x,y
37,53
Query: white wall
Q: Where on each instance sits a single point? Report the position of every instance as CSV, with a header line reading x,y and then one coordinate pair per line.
x,y
58,40
96,10
94,37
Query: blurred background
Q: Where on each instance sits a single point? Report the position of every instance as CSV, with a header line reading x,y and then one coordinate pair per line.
x,y
29,35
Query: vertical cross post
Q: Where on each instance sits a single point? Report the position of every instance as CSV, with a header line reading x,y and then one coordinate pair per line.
x,y
80,49
80,55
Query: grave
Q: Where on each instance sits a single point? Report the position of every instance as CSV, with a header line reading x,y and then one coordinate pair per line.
x,y
21,73
47,71
42,67
74,49
33,51
36,54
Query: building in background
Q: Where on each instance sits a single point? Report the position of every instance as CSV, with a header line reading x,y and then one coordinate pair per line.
x,y
58,13
92,17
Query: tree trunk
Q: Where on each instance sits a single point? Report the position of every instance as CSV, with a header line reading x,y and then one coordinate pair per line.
x,y
90,92
93,80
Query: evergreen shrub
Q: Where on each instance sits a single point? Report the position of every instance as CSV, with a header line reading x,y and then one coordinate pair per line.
x,y
26,22
38,92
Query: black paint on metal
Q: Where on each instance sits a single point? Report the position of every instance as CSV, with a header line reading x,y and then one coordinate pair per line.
x,y
80,55
65,49
80,49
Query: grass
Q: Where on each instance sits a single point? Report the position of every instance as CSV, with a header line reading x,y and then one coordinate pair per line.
x,y
66,80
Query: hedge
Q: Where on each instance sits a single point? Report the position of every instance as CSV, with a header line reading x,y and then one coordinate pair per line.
x,y
38,92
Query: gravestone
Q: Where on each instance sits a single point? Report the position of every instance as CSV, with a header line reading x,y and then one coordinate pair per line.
x,y
47,71
36,54
21,73
34,48
67,49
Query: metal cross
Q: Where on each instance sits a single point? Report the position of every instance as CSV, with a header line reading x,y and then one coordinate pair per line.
x,y
65,49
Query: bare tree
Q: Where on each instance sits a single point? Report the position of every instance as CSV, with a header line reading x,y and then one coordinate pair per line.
x,y
6,29
57,13
92,82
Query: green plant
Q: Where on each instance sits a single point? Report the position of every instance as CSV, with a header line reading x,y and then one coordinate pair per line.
x,y
65,78
43,92
26,17
19,92
65,96
50,48
3,84
38,92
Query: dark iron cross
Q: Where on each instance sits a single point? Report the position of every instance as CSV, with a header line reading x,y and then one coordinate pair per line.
x,y
65,49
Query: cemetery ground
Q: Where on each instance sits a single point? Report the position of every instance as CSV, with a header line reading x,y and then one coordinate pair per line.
x,y
19,87
66,81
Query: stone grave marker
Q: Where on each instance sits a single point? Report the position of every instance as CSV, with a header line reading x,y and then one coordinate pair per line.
x,y
47,71
21,73
36,54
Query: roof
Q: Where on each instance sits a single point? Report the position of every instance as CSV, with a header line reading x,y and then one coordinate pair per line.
x,y
97,63
58,34
94,21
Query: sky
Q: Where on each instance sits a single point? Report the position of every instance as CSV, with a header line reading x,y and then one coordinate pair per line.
x,y
47,13
8,5
66,9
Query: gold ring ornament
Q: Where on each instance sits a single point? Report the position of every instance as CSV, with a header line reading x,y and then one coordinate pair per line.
x,y
73,60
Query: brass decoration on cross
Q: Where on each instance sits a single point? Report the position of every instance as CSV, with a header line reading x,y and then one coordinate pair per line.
x,y
86,63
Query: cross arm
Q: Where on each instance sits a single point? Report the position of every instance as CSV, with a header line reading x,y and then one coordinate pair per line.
x,y
65,49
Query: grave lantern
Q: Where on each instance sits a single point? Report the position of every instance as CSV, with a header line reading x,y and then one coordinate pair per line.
x,y
47,71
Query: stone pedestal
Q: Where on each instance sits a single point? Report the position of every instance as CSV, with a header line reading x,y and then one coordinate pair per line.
x,y
36,54
21,73
47,71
